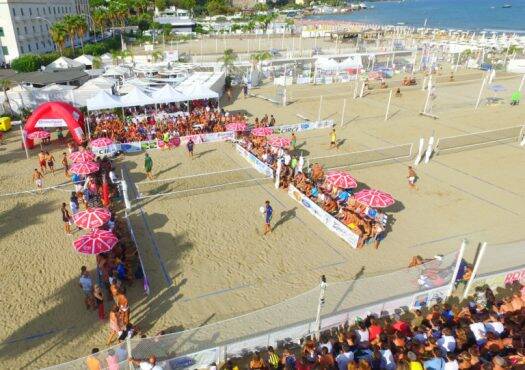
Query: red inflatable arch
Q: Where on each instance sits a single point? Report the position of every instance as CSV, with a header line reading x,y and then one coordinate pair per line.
x,y
56,114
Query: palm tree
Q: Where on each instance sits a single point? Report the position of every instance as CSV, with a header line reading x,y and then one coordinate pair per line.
x,y
116,55
100,17
228,59
128,53
96,63
81,29
71,29
5,85
58,34
156,55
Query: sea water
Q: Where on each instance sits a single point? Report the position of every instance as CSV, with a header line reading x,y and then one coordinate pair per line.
x,y
471,15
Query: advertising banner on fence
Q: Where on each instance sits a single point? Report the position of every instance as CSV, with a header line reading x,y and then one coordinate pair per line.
x,y
254,161
330,222
500,279
197,360
303,126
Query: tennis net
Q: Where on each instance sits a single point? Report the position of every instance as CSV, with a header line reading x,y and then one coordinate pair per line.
x,y
365,157
199,183
473,140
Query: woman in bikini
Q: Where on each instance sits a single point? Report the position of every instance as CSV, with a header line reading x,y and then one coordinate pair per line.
x,y
114,326
66,218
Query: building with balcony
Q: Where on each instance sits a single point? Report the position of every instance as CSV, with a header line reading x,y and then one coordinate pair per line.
x,y
24,24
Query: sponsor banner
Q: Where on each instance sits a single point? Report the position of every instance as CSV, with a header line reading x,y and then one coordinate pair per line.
x,y
303,126
254,161
429,298
197,360
131,147
328,220
106,150
500,279
51,122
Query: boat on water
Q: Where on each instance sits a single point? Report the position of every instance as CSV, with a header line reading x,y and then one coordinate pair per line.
x,y
506,6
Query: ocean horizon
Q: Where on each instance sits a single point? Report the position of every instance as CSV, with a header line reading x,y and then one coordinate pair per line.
x,y
471,15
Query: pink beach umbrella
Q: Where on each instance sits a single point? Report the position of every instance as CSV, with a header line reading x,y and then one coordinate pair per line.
x,y
341,179
97,241
84,168
82,156
374,198
262,131
101,142
278,141
236,126
92,218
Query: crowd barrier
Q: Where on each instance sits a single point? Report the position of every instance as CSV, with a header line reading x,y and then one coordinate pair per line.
x,y
294,318
326,219
138,146
255,162
303,126
497,266
145,280
476,139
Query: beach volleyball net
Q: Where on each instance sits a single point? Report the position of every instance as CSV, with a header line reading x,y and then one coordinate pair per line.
x,y
479,139
365,157
199,183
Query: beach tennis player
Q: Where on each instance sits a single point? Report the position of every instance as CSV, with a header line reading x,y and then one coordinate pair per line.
x,y
37,178
148,166
190,145
267,210
412,176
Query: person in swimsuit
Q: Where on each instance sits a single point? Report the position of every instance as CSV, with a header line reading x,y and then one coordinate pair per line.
x,y
37,178
65,164
148,166
66,218
42,161
333,139
293,141
50,162
412,178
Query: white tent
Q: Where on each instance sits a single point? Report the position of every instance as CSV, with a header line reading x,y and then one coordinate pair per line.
x,y
353,61
199,92
116,72
136,97
100,82
106,58
85,59
168,94
64,63
103,100
326,64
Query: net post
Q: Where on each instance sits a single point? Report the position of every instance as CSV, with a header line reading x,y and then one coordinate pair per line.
x,y
124,186
456,267
475,269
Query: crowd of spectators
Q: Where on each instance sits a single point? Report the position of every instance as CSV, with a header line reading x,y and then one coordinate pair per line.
x,y
368,223
164,124
487,333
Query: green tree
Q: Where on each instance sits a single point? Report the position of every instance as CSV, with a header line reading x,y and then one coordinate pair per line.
x,y
81,29
216,7
228,59
185,4
58,33
100,20
116,55
70,25
142,6
156,56
26,63
161,4
96,62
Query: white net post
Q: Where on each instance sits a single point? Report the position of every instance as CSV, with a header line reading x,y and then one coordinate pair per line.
x,y
475,269
456,268
125,194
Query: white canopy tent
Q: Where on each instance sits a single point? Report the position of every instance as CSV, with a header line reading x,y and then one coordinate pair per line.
x,y
103,100
136,97
326,64
199,92
63,63
168,94
85,59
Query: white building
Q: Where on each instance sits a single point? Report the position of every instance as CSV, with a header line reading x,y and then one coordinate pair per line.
x,y
24,24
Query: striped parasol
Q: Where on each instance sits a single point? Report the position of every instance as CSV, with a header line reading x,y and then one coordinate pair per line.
x,y
92,218
262,131
341,179
41,134
97,241
374,198
236,126
278,141
82,156
84,168
101,142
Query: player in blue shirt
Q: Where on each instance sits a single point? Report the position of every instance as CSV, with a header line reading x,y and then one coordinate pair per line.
x,y
268,212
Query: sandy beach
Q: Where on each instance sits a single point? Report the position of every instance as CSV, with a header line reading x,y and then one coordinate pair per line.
x,y
203,251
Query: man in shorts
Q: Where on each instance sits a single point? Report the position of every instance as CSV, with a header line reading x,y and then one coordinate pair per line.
x,y
333,139
148,166
65,164
190,145
37,178
268,213
411,178
42,161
